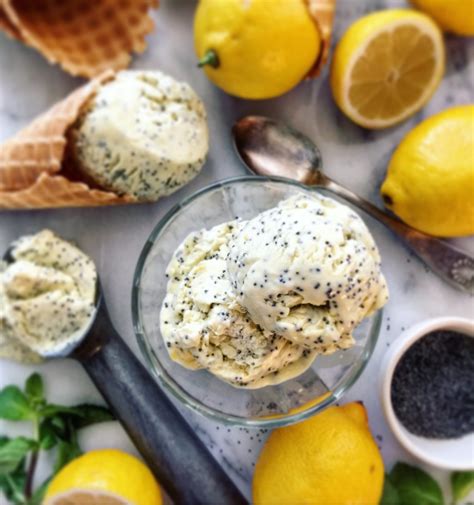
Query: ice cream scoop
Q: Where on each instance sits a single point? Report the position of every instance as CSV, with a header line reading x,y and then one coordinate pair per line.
x,y
254,302
180,461
143,134
271,148
308,270
204,326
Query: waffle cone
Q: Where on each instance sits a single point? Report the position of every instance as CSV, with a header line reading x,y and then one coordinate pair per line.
x,y
7,26
322,11
33,171
85,37
56,191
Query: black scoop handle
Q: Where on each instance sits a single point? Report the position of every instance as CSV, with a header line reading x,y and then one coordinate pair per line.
x,y
177,457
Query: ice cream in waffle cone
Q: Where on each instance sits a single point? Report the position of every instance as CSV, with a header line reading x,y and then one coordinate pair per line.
x,y
85,37
32,162
322,12
58,160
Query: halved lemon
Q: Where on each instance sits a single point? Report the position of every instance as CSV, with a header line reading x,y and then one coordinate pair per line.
x,y
387,66
104,477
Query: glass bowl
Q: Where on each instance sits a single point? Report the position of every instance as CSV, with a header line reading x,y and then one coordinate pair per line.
x,y
317,388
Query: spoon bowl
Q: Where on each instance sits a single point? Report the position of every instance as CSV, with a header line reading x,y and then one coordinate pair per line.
x,y
270,148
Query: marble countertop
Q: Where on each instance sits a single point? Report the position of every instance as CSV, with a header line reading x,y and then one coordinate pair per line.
x,y
114,236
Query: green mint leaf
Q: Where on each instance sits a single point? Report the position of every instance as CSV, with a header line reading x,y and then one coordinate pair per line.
x,y
16,484
64,421
67,451
48,442
38,495
462,483
91,414
12,485
390,494
13,452
59,426
5,486
14,405
34,388
82,415
51,410
414,486
47,435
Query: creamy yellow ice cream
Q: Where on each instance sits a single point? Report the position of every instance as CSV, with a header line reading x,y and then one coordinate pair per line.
x,y
204,326
47,296
144,134
254,302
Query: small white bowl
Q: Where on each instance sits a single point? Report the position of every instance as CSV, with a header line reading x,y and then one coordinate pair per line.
x,y
450,454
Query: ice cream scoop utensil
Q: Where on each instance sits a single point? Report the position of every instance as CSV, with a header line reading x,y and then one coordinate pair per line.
x,y
272,148
177,457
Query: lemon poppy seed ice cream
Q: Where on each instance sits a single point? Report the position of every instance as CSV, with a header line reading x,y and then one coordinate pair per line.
x,y
47,296
254,302
143,134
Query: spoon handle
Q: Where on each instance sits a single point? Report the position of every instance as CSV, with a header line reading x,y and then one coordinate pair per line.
x,y
445,259
174,453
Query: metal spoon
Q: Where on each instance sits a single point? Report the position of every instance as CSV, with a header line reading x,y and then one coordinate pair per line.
x,y
271,148
176,456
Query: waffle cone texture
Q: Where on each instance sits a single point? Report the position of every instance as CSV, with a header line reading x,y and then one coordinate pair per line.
x,y
85,37
35,169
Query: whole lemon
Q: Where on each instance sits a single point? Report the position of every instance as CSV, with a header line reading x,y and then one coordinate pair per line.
x,y
105,476
328,459
430,178
255,48
456,16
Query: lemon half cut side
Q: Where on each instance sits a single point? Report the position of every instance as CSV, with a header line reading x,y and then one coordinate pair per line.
x,y
387,66
104,477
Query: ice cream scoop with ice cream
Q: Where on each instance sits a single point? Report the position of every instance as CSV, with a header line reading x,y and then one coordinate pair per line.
x,y
51,306
254,302
47,297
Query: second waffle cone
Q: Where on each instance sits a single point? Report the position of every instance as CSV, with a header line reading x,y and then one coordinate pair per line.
x,y
85,37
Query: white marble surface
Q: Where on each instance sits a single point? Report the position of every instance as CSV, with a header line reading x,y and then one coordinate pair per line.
x,y
114,236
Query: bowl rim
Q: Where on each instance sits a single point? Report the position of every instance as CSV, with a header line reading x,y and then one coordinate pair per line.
x,y
389,363
164,378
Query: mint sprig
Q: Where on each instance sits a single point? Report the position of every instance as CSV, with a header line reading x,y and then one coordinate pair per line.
x,y
54,427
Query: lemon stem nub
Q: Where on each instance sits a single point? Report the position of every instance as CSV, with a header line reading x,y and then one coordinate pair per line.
x,y
210,58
